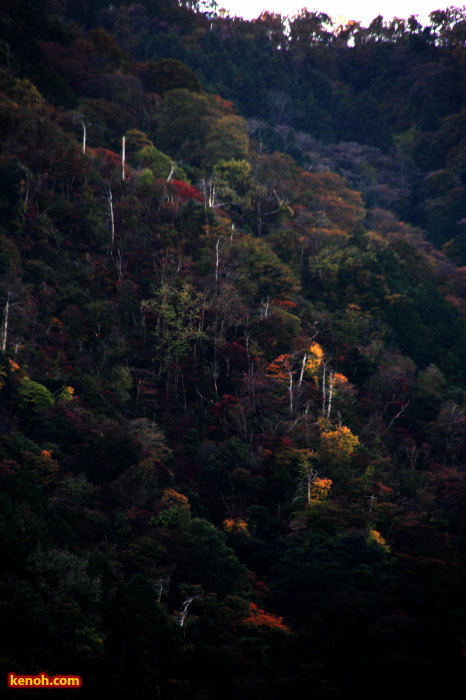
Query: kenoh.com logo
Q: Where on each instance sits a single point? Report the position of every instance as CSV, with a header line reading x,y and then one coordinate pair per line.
x,y
42,680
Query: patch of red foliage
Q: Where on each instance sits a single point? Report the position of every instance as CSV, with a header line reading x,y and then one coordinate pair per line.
x,y
259,618
186,192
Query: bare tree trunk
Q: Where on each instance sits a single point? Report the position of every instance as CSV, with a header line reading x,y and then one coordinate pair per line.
x,y
159,587
217,260
290,390
112,218
303,366
120,264
171,172
123,157
84,136
330,395
17,346
265,306
5,322
323,392
212,195
184,609
310,477
209,193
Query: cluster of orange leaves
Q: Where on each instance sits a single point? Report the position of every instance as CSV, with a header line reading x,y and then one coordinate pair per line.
x,y
320,489
375,536
231,525
172,498
281,367
339,379
13,367
286,305
259,618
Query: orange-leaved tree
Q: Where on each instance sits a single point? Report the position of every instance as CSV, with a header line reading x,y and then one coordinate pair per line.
x,y
282,369
320,489
260,618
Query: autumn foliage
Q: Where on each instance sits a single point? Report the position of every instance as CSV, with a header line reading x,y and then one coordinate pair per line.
x,y
260,618
234,371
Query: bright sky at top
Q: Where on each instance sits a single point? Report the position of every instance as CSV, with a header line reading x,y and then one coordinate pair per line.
x,y
358,10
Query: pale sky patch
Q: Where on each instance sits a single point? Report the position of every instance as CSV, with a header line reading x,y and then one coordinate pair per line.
x,y
358,10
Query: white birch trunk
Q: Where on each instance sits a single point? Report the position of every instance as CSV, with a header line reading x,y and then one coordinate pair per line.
x,y
184,609
290,389
84,136
5,322
323,392
330,395
303,367
217,260
112,217
171,172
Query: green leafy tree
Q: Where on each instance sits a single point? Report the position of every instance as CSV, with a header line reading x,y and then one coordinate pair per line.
x,y
182,125
177,315
227,140
62,573
34,397
158,164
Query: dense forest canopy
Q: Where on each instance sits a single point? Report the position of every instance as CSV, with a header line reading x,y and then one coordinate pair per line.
x,y
233,341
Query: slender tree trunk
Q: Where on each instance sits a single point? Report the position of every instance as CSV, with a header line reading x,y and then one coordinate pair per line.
x,y
211,194
303,366
159,586
5,322
184,609
290,390
217,260
171,172
112,218
123,157
330,395
84,136
323,392
265,306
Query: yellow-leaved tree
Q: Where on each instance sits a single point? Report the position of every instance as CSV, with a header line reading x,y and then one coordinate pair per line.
x,y
337,446
315,366
314,361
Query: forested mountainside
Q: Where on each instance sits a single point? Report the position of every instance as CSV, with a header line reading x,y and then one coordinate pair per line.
x,y
233,351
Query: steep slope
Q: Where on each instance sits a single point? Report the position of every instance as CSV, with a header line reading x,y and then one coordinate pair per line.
x,y
233,406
